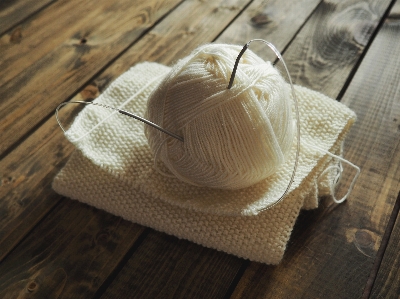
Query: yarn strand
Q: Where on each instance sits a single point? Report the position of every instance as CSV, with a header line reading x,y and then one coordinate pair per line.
x,y
278,54
340,171
340,168
130,114
119,110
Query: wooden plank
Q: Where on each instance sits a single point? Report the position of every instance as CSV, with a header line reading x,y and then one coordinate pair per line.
x,y
27,173
332,249
154,265
90,242
29,168
26,177
64,46
49,151
329,46
13,12
169,37
274,20
166,267
387,282
169,42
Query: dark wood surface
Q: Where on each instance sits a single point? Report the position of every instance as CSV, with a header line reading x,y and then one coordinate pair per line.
x,y
385,282
53,51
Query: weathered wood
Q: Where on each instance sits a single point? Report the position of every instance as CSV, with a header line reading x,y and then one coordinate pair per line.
x,y
157,271
72,258
72,41
167,36
26,177
329,46
386,283
27,173
199,22
332,249
32,164
166,267
274,20
387,280
346,235
13,12
41,141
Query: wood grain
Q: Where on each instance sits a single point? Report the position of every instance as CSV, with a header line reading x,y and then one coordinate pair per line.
x,y
387,281
26,177
386,284
171,41
27,173
52,64
332,249
51,150
72,258
324,243
166,267
274,20
329,46
13,12
125,283
199,22
32,165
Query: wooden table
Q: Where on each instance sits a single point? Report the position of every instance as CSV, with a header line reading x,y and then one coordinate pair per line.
x,y
54,51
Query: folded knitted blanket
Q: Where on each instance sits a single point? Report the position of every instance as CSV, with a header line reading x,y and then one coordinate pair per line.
x,y
113,170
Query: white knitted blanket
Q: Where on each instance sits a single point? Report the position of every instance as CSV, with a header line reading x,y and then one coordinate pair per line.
x,y
113,170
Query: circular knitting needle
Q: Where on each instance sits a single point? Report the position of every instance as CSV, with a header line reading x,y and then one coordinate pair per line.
x,y
278,54
147,122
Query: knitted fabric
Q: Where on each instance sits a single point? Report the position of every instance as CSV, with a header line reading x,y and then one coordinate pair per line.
x,y
113,171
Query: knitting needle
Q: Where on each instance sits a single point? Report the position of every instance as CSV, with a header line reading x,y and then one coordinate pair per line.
x,y
147,122
245,47
278,54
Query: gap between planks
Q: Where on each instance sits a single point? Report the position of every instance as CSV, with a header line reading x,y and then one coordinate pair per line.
x,y
12,27
111,277
362,56
382,249
11,143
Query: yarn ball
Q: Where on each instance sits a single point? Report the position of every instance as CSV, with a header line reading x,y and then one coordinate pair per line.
x,y
233,138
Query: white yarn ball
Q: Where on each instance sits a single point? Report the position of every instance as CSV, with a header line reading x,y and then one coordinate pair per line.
x,y
232,138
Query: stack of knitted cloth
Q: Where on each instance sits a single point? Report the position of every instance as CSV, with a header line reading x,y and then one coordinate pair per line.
x,y
113,170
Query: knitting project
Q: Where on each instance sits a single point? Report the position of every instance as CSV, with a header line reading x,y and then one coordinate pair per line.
x,y
114,170
233,138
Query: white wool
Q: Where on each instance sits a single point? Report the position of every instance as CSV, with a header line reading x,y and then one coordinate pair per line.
x,y
233,138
